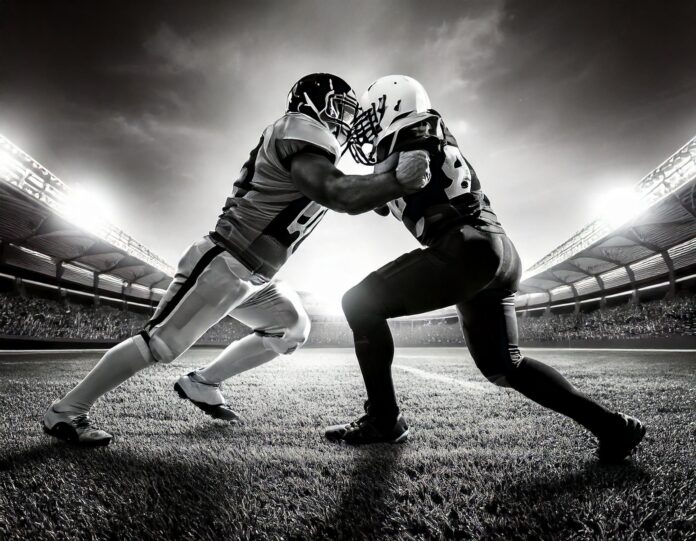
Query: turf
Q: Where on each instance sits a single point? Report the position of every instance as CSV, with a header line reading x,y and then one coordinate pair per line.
x,y
483,463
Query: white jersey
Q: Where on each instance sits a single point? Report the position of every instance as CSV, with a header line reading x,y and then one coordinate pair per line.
x,y
267,217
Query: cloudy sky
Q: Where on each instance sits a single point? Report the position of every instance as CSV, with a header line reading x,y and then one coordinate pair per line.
x,y
155,105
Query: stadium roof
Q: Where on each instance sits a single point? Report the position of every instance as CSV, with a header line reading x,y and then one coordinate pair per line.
x,y
36,218
657,241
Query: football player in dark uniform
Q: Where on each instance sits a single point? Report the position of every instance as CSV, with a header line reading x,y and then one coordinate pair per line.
x,y
468,262
282,193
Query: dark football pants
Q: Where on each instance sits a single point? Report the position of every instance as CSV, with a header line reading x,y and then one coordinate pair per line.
x,y
478,272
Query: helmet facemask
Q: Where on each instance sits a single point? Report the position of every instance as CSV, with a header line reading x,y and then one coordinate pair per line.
x,y
338,113
385,101
366,129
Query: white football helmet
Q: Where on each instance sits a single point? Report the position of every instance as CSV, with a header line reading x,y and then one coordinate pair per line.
x,y
385,100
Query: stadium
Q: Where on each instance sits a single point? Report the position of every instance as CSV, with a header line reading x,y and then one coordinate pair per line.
x,y
70,279
125,128
73,285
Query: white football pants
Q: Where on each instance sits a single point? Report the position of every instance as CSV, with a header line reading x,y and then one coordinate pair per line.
x,y
210,284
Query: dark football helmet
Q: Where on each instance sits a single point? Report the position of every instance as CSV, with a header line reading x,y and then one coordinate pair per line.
x,y
326,98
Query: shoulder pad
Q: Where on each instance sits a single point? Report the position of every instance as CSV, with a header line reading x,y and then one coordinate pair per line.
x,y
296,128
422,131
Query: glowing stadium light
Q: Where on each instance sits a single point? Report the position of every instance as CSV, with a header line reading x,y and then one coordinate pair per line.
x,y
619,205
7,164
89,209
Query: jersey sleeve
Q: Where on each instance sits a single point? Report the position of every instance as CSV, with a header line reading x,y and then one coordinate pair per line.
x,y
297,133
422,133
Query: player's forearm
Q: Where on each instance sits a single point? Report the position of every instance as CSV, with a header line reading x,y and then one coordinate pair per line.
x,y
355,194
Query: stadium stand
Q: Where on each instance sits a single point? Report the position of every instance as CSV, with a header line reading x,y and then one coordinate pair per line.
x,y
655,248
41,240
631,285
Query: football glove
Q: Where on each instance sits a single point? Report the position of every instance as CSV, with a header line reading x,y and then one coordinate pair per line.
x,y
413,170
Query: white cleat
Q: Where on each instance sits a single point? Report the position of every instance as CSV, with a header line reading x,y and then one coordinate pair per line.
x,y
74,428
206,396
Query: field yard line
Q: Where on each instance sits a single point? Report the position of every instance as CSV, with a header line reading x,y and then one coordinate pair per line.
x,y
624,350
48,351
445,379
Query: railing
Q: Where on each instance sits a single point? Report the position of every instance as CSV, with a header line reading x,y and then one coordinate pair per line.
x,y
24,172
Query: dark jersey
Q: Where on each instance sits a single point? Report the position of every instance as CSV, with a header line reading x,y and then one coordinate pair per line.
x,y
453,196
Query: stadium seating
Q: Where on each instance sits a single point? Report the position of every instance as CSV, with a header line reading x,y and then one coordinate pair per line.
x,y
32,316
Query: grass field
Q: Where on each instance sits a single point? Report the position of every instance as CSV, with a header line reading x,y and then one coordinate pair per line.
x,y
483,463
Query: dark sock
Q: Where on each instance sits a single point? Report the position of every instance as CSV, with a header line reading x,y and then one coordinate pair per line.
x,y
375,351
547,387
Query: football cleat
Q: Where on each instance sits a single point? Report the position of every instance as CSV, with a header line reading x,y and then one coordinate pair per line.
x,y
206,396
368,429
621,442
74,428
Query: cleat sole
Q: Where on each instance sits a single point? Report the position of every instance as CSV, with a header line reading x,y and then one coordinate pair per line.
x,y
335,437
403,438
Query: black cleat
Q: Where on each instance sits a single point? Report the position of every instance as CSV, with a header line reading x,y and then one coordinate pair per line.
x,y
74,428
369,429
217,411
621,442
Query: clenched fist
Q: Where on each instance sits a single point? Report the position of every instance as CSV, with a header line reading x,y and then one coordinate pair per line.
x,y
413,170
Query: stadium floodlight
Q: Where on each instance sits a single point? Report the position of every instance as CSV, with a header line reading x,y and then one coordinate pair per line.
x,y
88,209
7,164
619,205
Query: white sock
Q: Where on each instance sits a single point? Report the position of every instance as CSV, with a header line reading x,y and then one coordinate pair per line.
x,y
116,366
239,356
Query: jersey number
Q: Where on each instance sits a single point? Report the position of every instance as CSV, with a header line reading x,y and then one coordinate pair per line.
x,y
456,169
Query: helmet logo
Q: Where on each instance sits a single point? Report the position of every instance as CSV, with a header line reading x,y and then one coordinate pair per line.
x,y
327,99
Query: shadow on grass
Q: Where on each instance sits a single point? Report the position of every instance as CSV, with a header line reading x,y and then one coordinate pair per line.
x,y
556,502
364,508
70,491
591,477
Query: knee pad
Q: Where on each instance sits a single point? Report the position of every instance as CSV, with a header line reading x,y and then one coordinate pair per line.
x,y
290,339
160,351
362,305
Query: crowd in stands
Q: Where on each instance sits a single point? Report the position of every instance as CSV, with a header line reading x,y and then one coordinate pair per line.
x,y
661,318
43,318
33,316
23,316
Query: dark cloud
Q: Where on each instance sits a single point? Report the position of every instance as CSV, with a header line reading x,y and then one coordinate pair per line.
x,y
162,100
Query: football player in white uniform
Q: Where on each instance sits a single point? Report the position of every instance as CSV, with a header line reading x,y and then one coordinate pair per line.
x,y
468,262
284,189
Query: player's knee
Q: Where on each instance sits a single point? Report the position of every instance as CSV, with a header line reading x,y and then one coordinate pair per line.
x,y
298,333
361,306
292,337
161,351
500,370
499,380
